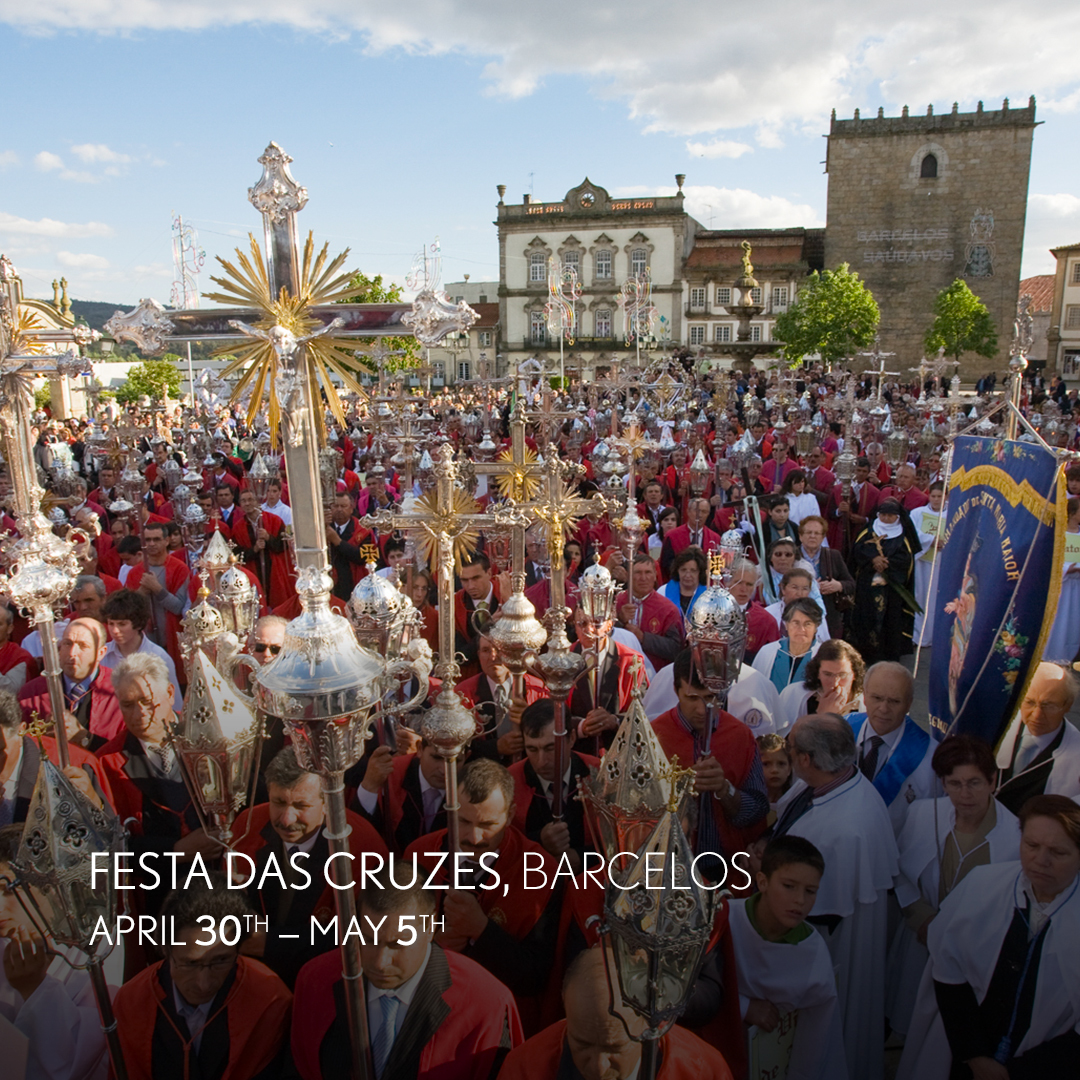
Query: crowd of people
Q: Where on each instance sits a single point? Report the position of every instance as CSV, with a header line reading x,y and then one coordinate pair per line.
x,y
903,892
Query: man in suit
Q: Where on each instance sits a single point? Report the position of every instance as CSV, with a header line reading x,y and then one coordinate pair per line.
x,y
653,506
536,566
694,532
479,592
1040,753
819,479
345,537
432,1014
289,829
534,781
403,795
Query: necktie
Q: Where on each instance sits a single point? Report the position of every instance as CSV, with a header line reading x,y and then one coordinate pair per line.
x,y
481,605
162,758
433,799
383,1041
868,765
1029,750
696,541
502,701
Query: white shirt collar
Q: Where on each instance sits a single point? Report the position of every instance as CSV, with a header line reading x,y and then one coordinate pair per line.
x,y
891,739
306,846
547,785
1041,742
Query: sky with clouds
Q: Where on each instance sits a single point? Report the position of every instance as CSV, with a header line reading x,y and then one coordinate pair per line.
x,y
403,118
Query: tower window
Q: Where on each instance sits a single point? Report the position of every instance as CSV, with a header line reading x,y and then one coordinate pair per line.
x,y
928,170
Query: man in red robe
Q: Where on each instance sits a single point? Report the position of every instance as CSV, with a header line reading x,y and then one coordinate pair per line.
x,y
653,619
591,1042
89,698
693,533
205,1011
479,592
16,664
164,579
261,539
510,930
733,799
403,795
905,491
448,1019
848,517
288,832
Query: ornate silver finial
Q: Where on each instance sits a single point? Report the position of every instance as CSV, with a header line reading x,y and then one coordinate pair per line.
x,y
277,194
146,325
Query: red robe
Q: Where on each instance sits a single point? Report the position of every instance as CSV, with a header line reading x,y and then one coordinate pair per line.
x,y
761,628
840,538
683,1057
658,616
105,720
176,577
282,575
257,1008
909,499
459,1026
11,655
734,747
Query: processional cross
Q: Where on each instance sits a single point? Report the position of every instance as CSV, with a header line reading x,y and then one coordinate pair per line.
x,y
285,303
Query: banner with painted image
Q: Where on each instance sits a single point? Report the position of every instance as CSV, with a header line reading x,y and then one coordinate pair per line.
x,y
998,578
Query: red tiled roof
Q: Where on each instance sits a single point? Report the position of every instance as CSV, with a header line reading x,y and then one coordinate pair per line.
x,y
1041,291
707,255
489,314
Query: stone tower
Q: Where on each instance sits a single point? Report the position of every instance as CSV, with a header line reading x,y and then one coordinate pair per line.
x,y
918,201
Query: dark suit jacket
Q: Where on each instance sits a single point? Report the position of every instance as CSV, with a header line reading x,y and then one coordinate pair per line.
x,y
831,565
1015,790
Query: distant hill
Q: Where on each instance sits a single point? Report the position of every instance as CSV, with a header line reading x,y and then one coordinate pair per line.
x,y
96,312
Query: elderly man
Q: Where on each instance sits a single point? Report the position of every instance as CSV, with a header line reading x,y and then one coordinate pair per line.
x,y
290,829
653,619
842,814
894,752
904,491
93,714
1040,753
593,1043
268,637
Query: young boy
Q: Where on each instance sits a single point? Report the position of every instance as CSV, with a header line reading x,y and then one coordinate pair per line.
x,y
785,971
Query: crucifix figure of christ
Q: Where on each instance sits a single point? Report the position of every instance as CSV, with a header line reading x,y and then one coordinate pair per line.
x,y
450,524
324,686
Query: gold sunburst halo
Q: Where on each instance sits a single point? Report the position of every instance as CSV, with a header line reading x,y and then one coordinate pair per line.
x,y
517,482
321,282
27,326
436,521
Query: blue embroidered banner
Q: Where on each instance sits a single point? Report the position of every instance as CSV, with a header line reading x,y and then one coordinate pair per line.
x,y
998,578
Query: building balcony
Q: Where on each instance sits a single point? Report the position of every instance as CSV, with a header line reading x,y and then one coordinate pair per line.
x,y
549,342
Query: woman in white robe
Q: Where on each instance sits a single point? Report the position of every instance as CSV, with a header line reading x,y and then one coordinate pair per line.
x,y
1008,927
965,828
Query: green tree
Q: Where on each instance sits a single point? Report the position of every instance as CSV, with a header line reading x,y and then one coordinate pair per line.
x,y
152,378
961,324
374,291
43,396
833,315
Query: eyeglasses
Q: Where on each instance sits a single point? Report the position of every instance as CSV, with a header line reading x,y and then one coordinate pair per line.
x,y
217,966
1045,706
262,646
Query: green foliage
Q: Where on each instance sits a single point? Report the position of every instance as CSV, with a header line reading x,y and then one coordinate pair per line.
x,y
152,378
961,324
374,291
43,396
833,315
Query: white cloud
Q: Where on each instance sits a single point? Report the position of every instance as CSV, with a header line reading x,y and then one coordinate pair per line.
x,y
700,74
46,161
82,261
156,269
734,208
8,158
10,223
719,148
92,153
1052,220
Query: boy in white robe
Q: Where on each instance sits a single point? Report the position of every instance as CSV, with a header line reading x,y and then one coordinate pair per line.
x,y
784,963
